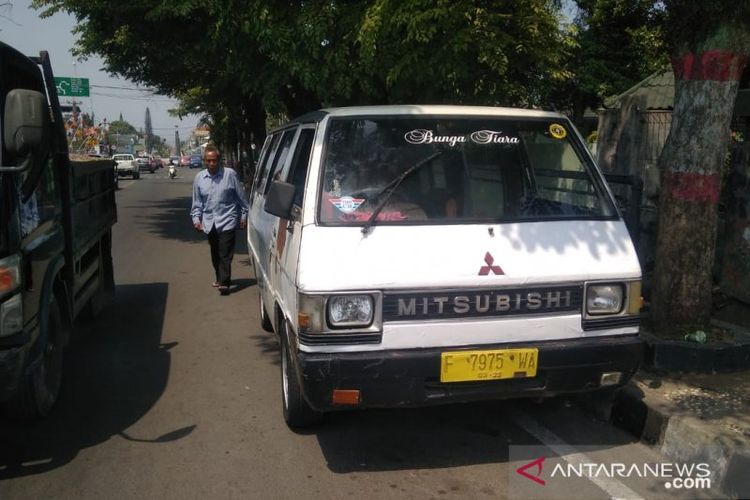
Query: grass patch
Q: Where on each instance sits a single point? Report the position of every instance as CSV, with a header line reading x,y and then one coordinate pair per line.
x,y
713,334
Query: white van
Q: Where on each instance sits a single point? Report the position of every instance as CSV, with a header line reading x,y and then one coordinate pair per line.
x,y
416,255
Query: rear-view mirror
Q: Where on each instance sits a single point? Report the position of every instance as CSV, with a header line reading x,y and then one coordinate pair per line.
x,y
280,199
25,132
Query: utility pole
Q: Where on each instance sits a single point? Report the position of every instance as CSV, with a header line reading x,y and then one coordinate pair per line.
x,y
176,141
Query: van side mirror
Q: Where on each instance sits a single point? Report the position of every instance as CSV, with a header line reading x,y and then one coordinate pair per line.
x,y
25,128
280,199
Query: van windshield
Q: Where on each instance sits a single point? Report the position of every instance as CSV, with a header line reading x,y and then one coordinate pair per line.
x,y
457,169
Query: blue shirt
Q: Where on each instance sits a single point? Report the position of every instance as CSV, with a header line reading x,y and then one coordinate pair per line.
x,y
217,199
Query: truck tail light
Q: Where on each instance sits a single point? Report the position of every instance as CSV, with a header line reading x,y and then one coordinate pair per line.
x,y
10,274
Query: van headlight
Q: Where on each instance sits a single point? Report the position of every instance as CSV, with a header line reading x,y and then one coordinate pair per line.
x,y
350,311
604,299
339,315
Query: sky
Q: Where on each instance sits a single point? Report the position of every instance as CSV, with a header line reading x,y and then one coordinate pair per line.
x,y
22,28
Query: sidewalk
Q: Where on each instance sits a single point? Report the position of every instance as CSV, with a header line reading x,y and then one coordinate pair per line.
x,y
695,417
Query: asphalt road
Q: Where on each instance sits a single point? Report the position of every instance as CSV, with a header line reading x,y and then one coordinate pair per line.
x,y
173,392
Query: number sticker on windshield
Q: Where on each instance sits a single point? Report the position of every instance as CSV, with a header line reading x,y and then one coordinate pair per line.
x,y
557,131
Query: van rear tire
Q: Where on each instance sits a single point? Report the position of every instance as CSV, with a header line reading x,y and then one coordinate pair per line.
x,y
297,412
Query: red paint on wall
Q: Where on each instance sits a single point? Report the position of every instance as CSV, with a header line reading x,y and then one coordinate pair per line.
x,y
715,65
691,186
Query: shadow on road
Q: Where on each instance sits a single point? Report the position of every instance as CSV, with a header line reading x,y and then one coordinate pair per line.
x,y
240,284
167,218
447,436
116,369
268,344
170,218
414,438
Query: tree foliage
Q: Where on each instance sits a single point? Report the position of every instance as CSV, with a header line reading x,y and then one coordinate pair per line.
x,y
463,51
616,44
122,127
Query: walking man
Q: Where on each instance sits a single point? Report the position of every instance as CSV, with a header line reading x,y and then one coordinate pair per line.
x,y
219,206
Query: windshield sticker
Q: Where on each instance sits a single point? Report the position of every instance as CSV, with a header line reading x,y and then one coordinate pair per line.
x,y
395,215
557,131
492,137
347,204
424,136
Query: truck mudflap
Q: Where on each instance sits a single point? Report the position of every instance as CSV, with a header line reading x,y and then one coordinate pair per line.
x,y
408,378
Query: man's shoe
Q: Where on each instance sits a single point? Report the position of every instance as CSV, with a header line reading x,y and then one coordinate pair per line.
x,y
215,284
224,290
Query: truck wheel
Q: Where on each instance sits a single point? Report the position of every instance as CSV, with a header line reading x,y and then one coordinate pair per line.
x,y
297,412
39,389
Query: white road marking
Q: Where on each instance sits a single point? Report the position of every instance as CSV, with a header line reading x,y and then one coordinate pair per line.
x,y
614,488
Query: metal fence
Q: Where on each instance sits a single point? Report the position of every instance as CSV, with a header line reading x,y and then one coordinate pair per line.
x,y
655,129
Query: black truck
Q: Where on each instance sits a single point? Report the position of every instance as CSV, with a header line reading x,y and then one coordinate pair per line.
x,y
56,218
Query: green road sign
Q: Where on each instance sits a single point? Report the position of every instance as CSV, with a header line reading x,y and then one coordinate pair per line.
x,y
72,87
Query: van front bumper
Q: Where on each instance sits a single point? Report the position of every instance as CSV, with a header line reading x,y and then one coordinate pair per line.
x,y
411,377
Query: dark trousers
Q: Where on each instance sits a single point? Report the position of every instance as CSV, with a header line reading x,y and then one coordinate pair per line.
x,y
222,253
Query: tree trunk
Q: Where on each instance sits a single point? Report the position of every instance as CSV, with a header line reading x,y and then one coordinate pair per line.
x,y
691,163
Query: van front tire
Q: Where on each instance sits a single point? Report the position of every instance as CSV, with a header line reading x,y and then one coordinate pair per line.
x,y
297,412
265,321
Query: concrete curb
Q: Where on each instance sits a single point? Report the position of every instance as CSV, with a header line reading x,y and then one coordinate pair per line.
x,y
684,438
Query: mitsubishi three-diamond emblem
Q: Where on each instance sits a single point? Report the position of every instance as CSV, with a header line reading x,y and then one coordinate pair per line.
x,y
489,260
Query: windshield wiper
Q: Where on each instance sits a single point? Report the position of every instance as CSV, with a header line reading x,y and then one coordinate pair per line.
x,y
392,186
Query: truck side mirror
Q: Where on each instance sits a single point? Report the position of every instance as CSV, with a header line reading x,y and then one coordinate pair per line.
x,y
25,128
279,199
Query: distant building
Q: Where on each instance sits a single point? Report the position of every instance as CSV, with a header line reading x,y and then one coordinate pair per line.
x,y
200,136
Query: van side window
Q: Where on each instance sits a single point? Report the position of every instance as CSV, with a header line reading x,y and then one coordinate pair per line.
x,y
280,158
300,162
262,172
264,152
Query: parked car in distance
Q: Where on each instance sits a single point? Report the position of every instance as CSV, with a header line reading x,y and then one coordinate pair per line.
x,y
196,161
174,160
158,161
185,160
144,164
127,165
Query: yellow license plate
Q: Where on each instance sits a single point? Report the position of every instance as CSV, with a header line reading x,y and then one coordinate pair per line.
x,y
464,366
